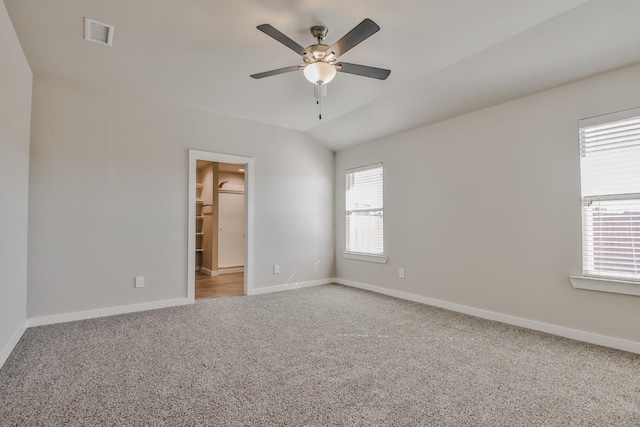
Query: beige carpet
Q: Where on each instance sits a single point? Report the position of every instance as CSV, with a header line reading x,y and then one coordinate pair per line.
x,y
320,356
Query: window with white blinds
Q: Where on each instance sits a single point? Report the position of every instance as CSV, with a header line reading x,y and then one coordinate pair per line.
x,y
364,210
610,170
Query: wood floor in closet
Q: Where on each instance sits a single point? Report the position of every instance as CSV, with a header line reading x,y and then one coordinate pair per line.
x,y
224,285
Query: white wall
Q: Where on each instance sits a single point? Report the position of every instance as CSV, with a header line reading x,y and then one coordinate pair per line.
x,y
484,210
108,198
15,118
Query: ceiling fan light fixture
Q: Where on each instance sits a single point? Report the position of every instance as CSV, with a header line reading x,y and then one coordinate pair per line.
x,y
320,61
319,72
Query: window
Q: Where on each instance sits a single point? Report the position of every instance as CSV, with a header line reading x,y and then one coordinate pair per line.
x,y
610,171
364,210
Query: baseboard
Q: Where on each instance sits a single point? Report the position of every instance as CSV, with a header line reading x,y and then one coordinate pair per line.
x,y
103,312
208,272
291,286
230,270
6,351
603,340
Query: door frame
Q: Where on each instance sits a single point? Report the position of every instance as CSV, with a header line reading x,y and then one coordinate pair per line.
x,y
194,156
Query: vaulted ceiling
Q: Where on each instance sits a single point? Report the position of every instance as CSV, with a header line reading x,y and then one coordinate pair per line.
x,y
447,57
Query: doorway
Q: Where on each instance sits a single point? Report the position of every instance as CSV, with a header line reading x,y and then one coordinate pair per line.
x,y
219,229
220,207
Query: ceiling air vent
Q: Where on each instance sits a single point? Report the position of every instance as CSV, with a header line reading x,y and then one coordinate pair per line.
x,y
98,32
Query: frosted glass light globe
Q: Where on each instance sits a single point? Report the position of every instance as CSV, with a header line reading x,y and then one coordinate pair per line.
x,y
319,72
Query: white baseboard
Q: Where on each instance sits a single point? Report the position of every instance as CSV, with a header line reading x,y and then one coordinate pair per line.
x,y
291,286
6,351
102,312
603,340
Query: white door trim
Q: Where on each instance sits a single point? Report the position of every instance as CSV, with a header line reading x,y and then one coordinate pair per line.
x,y
194,156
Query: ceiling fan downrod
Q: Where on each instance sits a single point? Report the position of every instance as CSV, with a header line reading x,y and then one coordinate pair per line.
x,y
319,32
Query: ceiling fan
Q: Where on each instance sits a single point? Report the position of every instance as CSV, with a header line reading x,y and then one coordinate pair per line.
x,y
320,60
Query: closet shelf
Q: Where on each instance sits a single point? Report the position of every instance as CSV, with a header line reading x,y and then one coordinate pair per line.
x,y
199,185
199,250
199,234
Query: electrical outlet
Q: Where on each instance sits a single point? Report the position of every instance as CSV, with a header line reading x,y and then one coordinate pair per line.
x,y
401,273
276,268
139,281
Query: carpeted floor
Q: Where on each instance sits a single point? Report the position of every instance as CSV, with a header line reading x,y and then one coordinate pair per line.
x,y
321,356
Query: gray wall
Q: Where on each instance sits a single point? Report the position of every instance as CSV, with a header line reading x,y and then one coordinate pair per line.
x,y
484,209
108,198
15,117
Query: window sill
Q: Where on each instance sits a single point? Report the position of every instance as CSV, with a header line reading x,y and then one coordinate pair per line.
x,y
605,285
380,259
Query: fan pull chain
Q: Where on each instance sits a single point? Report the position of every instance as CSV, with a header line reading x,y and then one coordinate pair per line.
x,y
319,102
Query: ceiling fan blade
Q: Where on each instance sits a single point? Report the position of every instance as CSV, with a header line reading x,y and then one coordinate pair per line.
x,y
359,33
272,32
276,72
363,70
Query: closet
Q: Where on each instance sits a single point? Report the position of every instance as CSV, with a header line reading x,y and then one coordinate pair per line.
x,y
220,216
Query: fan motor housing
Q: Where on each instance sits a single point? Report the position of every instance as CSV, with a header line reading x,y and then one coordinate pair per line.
x,y
317,52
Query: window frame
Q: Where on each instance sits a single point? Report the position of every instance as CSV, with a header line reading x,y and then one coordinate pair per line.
x,y
364,256
615,283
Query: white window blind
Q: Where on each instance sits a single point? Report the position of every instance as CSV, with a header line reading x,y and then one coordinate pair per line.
x,y
610,170
365,210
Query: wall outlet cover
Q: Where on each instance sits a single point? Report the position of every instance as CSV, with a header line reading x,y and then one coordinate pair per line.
x,y
139,281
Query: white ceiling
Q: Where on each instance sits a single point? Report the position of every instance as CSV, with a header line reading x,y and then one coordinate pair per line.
x,y
447,57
